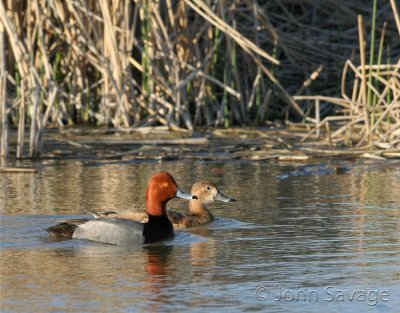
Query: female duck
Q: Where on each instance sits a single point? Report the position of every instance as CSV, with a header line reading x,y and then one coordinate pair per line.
x,y
120,231
206,193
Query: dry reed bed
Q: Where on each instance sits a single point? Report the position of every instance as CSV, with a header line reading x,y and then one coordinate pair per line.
x,y
177,63
97,146
358,121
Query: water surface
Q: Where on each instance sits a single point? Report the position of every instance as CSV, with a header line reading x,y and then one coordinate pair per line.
x,y
297,240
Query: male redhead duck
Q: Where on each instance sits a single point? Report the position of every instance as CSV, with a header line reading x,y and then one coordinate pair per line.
x,y
206,193
120,231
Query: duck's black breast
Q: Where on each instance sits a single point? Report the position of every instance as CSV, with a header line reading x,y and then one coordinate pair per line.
x,y
157,228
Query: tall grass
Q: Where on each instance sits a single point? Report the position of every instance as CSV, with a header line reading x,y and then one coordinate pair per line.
x,y
183,63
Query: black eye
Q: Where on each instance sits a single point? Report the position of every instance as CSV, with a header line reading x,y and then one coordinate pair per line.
x,y
208,188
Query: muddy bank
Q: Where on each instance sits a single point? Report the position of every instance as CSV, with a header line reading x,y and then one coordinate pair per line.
x,y
158,143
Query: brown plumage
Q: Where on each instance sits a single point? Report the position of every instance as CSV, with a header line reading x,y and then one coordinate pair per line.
x,y
206,192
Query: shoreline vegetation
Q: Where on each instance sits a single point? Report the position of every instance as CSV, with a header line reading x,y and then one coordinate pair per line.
x,y
96,146
276,80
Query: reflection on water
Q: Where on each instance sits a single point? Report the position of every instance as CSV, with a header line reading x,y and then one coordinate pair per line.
x,y
299,235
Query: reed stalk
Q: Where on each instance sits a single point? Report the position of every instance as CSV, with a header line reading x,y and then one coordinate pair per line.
x,y
21,122
189,63
370,103
33,149
379,61
363,73
395,14
3,102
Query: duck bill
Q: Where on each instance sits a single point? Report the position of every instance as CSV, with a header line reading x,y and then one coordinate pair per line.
x,y
223,198
183,195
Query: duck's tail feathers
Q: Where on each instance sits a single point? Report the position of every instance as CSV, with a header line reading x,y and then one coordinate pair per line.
x,y
62,230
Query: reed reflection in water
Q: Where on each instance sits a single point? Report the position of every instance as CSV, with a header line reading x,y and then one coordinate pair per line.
x,y
287,231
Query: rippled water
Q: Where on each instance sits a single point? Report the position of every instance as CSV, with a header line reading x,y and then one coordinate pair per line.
x,y
297,240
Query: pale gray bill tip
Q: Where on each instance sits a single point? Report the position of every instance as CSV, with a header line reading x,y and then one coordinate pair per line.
x,y
183,195
223,198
